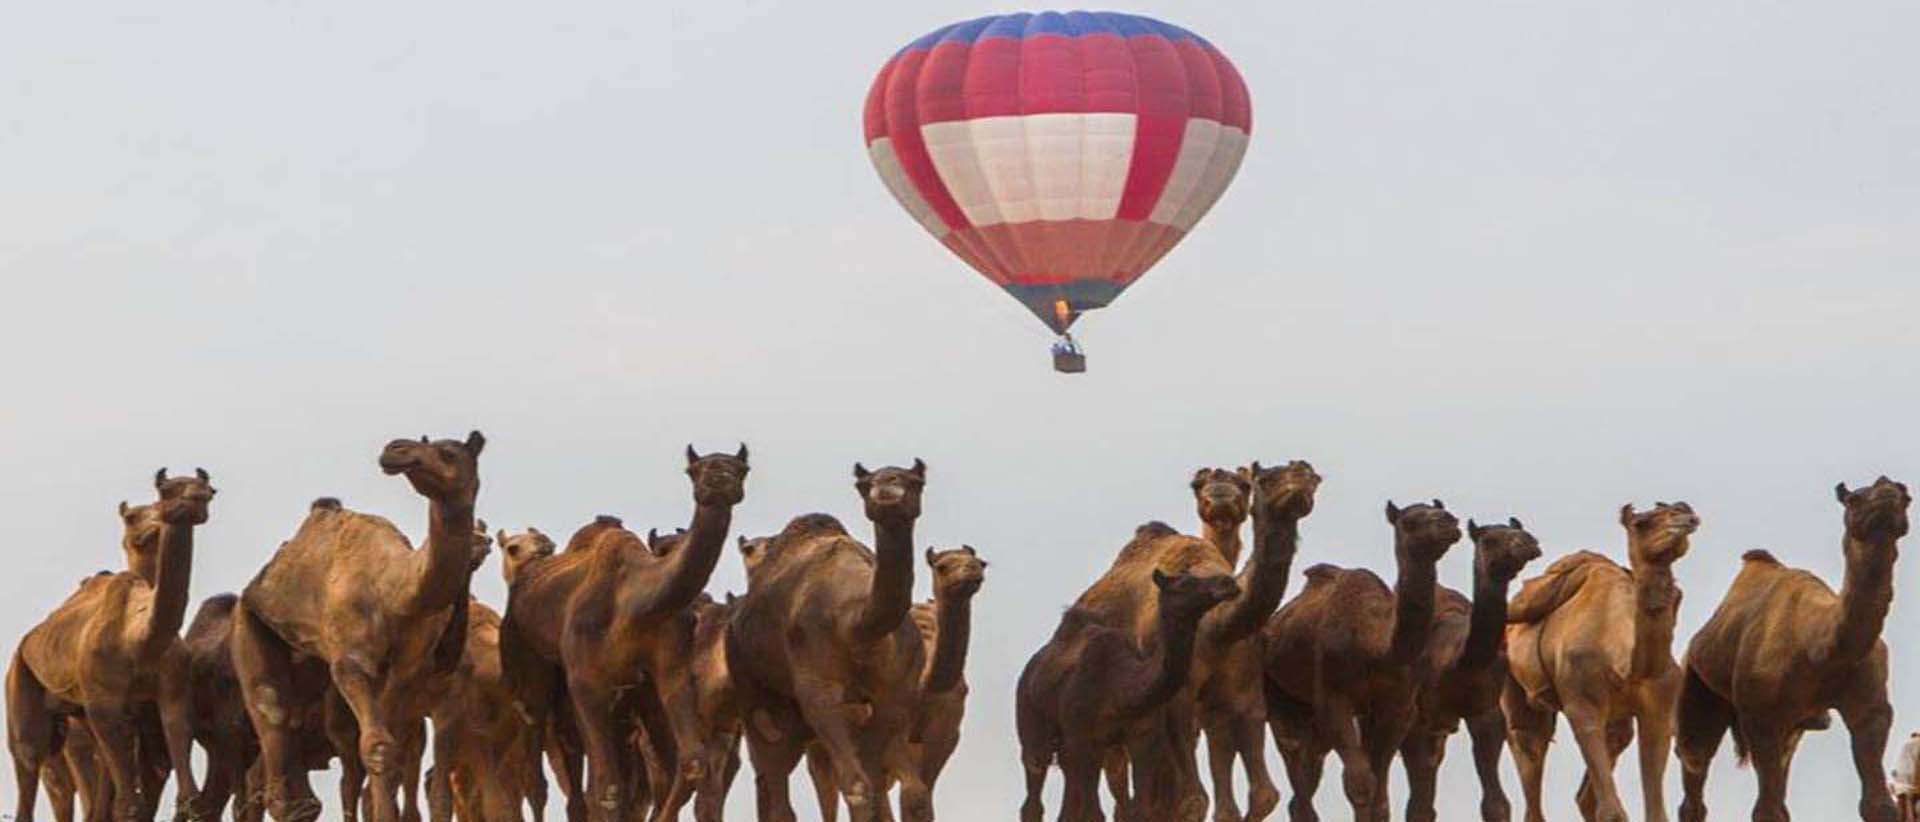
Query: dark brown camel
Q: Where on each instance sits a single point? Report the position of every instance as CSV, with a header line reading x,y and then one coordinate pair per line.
x,y
820,647
1783,649
1233,708
1468,666
350,602
1090,689
611,617
1346,658
109,651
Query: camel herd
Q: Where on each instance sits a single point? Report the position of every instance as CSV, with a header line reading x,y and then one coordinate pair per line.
x,y
612,669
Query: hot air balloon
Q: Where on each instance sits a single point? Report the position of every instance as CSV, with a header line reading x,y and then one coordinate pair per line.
x,y
1060,155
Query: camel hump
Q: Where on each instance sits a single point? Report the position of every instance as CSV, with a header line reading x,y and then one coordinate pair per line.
x,y
212,611
1540,596
326,504
1075,620
810,525
608,520
589,534
1322,572
1760,555
1153,529
925,617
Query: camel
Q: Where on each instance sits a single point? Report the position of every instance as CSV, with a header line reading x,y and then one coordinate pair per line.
x,y
349,602
480,742
611,617
1345,659
1468,669
1233,708
1594,640
108,651
719,711
220,722
1124,598
821,647
1091,689
74,772
1783,649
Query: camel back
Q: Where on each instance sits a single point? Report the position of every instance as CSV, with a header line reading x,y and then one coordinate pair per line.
x,y
1540,596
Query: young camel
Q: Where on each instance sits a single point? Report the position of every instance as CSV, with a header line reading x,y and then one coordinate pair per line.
x,y
110,649
1469,670
1346,659
1783,649
1594,640
1090,689
349,602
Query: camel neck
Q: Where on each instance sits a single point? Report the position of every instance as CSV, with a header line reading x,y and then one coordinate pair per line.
x,y
1224,536
689,566
449,565
1263,582
1166,671
1413,596
1865,596
1656,606
890,596
953,627
1488,624
172,575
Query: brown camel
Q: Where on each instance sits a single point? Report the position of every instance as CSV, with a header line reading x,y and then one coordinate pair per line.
x,y
1346,658
1124,598
220,722
480,742
349,602
820,647
1783,649
1090,689
1594,640
606,626
1468,667
107,652
719,711
1233,708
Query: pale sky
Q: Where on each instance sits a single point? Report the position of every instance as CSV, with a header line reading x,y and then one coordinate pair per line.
x,y
1537,259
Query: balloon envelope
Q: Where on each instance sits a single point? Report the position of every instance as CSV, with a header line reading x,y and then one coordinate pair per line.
x,y
1059,154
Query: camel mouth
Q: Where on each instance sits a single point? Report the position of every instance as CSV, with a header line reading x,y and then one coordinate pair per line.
x,y
392,464
887,495
966,587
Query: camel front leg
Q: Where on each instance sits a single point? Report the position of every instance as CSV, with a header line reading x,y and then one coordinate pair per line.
x,y
1420,754
1113,764
1080,764
1220,754
265,668
1489,734
1767,752
1301,751
608,753
30,734
1596,738
1334,721
1868,719
1250,742
176,724
1529,731
774,758
114,731
382,751
825,790
672,721
1034,763
824,705
1654,724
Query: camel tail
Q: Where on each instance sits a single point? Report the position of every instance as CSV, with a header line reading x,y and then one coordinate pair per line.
x,y
1742,757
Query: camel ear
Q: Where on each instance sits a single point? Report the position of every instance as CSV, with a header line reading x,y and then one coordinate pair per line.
x,y
1514,523
742,542
653,537
1473,528
501,537
742,453
160,477
969,550
1841,493
476,442
930,557
1393,513
1252,470
919,468
1440,505
860,472
1626,514
202,474
534,531
1199,477
1161,580
480,525
123,509
692,455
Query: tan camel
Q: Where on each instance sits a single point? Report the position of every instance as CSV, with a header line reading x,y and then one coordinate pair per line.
x,y
1233,708
1090,689
1593,640
110,649
946,626
1124,598
605,626
1345,660
1783,649
820,647
1468,666
349,602
480,743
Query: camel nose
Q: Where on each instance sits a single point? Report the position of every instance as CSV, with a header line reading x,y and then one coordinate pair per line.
x,y
886,494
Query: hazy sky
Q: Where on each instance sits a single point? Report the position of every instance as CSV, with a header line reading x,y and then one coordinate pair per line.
x,y
1533,258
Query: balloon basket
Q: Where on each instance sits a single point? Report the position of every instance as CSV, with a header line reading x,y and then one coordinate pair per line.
x,y
1067,356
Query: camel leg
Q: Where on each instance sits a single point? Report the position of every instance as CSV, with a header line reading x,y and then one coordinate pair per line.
x,y
1334,722
1034,762
30,733
672,720
117,737
1080,764
1250,742
382,751
1183,732
1114,764
58,780
212,801
176,724
413,746
1489,734
343,733
822,704
608,753
820,770
1381,737
1300,751
264,664
773,762
1767,752
1868,718
1589,798
1420,754
1529,730
564,753
1220,754
1654,726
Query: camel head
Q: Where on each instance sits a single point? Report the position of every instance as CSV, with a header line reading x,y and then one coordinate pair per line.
x,y
183,500
1189,596
754,551
1502,551
1659,534
516,550
1424,531
482,545
956,573
440,470
718,479
1284,490
140,528
892,494
1222,496
1876,513
660,545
